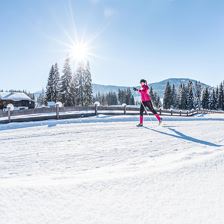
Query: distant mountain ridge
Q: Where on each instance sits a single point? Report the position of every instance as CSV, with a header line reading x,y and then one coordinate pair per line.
x,y
158,87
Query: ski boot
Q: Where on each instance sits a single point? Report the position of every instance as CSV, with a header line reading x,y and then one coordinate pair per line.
x,y
160,121
139,125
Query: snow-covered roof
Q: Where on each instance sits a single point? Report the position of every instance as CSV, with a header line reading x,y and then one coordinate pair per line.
x,y
14,96
3,94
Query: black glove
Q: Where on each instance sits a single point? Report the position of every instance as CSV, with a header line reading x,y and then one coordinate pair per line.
x,y
135,89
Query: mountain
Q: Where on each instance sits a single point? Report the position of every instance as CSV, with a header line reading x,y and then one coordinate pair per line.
x,y
158,87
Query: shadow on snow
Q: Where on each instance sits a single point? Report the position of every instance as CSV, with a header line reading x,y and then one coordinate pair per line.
x,y
179,135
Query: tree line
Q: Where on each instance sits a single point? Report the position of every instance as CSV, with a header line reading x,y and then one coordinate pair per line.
x,y
70,88
193,96
75,89
124,96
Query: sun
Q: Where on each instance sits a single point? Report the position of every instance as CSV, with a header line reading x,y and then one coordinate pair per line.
x,y
80,51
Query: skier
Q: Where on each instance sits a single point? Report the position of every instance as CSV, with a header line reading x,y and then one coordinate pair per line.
x,y
146,102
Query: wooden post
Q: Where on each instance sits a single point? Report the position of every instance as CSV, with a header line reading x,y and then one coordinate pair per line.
x,y
180,112
160,111
187,113
57,111
171,112
125,109
9,115
96,108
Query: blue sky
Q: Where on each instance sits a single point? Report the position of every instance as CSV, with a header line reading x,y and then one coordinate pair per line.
x,y
154,39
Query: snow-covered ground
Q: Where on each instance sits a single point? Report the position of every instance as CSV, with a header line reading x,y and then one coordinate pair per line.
x,y
106,170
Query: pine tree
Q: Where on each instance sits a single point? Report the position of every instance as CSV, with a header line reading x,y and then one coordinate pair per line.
x,y
121,96
182,98
198,92
83,85
103,100
66,95
205,98
49,96
157,101
132,100
173,97
221,97
151,93
217,97
87,87
126,96
79,80
129,97
53,85
97,98
155,98
41,98
167,100
56,84
111,98
190,96
214,100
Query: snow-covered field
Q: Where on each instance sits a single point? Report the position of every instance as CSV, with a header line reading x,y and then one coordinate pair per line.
x,y
104,170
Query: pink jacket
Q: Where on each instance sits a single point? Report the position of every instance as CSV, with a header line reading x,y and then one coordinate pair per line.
x,y
144,91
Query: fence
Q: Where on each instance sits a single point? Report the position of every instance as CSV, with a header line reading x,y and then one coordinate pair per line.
x,y
40,114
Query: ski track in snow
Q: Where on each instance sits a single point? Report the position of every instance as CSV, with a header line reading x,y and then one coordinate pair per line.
x,y
106,170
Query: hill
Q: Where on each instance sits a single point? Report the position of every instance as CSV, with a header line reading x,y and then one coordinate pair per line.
x,y
159,87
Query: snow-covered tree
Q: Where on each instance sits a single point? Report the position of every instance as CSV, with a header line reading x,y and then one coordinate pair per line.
x,y
129,97
190,96
66,95
79,85
87,86
125,96
41,98
121,96
50,86
221,96
174,102
205,98
214,100
56,84
155,98
111,98
167,99
198,92
53,88
182,95
83,85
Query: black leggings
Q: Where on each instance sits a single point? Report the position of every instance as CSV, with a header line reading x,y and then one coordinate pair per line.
x,y
147,104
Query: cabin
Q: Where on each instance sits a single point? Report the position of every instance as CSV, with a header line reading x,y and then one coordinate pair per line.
x,y
19,100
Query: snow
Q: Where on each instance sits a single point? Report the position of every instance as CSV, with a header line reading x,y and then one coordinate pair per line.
x,y
105,170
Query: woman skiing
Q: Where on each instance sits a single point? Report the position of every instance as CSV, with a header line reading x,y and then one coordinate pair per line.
x,y
146,102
